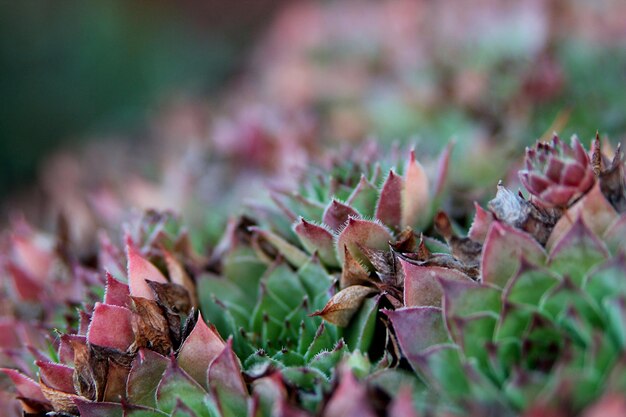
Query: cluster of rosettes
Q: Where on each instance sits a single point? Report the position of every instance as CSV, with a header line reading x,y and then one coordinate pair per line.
x,y
332,304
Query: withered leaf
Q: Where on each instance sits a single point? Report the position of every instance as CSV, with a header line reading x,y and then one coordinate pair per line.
x,y
343,305
150,326
382,260
179,276
174,297
84,381
62,402
352,272
406,241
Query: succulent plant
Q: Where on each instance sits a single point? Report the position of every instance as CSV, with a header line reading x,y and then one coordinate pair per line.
x,y
524,316
557,174
141,350
539,332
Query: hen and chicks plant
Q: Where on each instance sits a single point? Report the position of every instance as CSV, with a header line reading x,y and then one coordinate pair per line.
x,y
358,295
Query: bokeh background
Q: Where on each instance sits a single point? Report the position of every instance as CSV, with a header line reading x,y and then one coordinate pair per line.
x,y
197,105
72,70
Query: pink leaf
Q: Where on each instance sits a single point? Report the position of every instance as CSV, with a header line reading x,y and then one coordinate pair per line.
x,y
26,288
25,386
597,213
367,233
200,348
350,399
336,215
56,376
111,327
140,270
480,226
443,168
415,195
503,250
116,292
389,205
318,239
32,257
421,287
418,328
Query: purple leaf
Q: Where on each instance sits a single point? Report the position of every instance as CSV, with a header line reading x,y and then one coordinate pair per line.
x,y
415,199
200,348
503,250
388,207
116,292
362,232
318,239
337,214
421,287
140,270
56,376
105,318
418,328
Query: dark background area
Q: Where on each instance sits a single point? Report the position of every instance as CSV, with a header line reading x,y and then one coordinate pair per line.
x,y
72,69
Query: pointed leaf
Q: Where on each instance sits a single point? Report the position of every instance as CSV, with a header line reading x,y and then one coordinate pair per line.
x,y
177,385
421,287
144,377
318,239
418,328
442,367
104,317
597,213
463,298
480,225
349,399
362,232
27,289
503,250
577,252
614,236
226,383
529,284
200,348
25,386
607,279
140,270
337,214
342,306
415,195
56,376
389,205
116,293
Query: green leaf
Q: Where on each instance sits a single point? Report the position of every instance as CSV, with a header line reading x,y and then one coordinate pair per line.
x,y
177,385
529,285
358,335
442,367
577,252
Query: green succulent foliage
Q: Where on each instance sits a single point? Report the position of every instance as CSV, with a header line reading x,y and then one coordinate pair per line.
x,y
266,310
553,332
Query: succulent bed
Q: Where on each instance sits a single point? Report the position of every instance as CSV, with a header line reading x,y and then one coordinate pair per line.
x,y
353,295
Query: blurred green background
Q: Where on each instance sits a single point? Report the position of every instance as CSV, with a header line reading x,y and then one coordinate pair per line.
x,y
69,69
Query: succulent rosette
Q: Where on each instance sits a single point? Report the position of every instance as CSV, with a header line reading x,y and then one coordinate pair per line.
x,y
556,173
